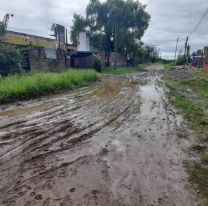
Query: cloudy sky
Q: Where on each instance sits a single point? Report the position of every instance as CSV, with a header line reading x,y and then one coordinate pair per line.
x,y
169,19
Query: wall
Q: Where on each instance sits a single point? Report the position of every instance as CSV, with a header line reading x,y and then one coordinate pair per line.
x,y
38,62
84,62
121,59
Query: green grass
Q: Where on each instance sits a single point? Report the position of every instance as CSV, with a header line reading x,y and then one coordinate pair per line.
x,y
192,108
191,111
31,85
169,65
190,95
198,174
124,70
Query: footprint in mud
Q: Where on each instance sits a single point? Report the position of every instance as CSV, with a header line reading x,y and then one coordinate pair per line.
x,y
95,192
66,201
38,197
72,190
32,194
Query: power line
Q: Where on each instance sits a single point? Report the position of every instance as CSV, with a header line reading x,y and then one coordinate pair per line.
x,y
200,21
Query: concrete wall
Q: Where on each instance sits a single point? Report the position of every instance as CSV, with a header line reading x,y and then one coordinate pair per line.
x,y
38,61
84,62
121,59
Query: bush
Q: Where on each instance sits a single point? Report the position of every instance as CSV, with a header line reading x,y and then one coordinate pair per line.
x,y
181,60
10,59
98,64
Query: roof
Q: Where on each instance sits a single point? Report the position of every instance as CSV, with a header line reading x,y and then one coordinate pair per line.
x,y
24,39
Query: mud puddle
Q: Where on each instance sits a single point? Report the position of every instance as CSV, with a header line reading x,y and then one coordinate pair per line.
x,y
112,144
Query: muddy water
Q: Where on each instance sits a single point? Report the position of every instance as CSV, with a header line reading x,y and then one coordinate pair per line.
x,y
111,144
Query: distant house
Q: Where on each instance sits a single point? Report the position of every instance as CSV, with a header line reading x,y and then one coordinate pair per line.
x,y
83,58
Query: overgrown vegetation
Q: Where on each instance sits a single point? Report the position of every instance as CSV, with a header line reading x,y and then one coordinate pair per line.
x,y
10,56
98,64
18,87
169,64
190,94
10,59
181,60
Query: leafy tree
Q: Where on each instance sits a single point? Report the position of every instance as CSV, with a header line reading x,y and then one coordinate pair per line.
x,y
10,59
113,24
79,25
10,56
2,30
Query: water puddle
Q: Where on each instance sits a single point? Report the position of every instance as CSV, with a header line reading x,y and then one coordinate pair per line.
x,y
111,87
150,92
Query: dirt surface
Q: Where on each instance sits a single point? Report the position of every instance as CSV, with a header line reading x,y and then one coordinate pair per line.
x,y
115,143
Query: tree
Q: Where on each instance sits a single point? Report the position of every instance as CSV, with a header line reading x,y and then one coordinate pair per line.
x,y
2,30
10,59
147,53
114,24
10,56
79,25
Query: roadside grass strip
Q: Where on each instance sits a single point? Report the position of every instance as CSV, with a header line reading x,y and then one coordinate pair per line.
x,y
190,95
32,85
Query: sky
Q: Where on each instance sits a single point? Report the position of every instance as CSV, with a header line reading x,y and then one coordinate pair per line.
x,y
169,19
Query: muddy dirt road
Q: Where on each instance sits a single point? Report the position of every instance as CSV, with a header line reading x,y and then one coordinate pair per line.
x,y
111,144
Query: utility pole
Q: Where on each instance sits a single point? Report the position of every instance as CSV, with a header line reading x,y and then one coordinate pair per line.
x,y
187,48
176,48
116,45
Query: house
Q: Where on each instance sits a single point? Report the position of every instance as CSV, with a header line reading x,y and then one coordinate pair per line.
x,y
83,57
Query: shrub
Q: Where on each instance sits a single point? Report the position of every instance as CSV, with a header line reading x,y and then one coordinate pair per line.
x,y
98,64
181,60
10,59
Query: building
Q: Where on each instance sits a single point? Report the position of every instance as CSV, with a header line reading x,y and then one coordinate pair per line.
x,y
40,53
84,56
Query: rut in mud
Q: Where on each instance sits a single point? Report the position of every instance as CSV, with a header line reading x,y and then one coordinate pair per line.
x,y
111,144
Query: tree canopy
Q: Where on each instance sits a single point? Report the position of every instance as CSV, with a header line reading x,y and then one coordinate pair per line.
x,y
120,22
10,56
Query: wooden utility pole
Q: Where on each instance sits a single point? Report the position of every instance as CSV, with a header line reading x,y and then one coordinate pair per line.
x,y
176,48
116,45
187,48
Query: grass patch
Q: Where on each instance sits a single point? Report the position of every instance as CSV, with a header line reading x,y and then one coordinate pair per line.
x,y
169,65
191,111
124,70
190,95
31,85
198,174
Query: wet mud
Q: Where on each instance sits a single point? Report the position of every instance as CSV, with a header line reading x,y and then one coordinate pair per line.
x,y
115,143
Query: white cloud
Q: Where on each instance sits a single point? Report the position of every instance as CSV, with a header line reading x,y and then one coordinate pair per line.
x,y
169,19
